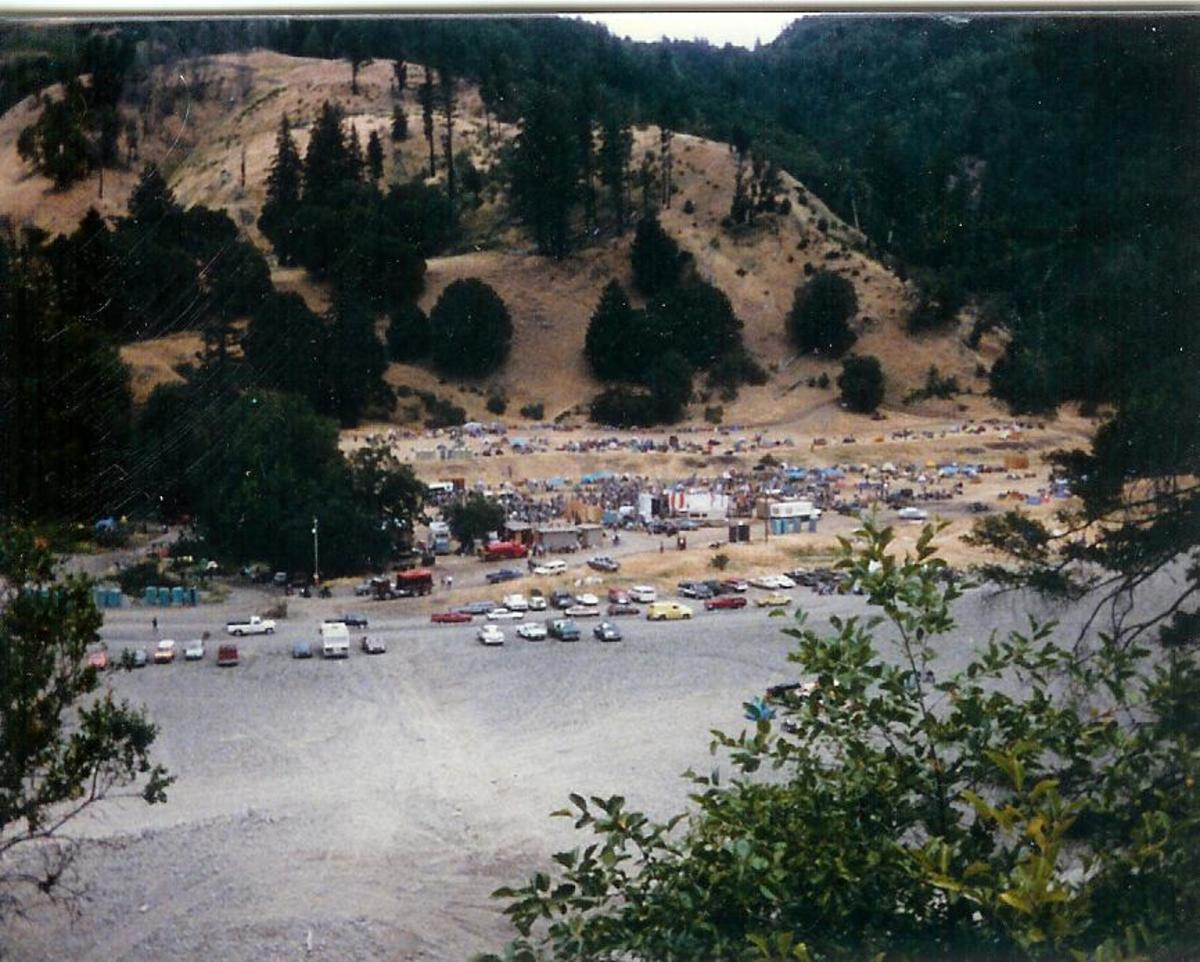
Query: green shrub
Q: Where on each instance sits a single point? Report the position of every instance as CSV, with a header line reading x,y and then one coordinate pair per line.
x,y
535,412
861,383
496,404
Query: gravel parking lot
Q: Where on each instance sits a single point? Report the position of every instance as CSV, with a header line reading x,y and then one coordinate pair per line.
x,y
366,808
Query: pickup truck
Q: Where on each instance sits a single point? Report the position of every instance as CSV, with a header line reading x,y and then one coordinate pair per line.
x,y
252,626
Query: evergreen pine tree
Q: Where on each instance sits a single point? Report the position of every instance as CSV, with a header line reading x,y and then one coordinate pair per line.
x,y
327,161
449,104
374,156
611,342
356,162
427,98
283,193
399,123
616,146
655,258
545,171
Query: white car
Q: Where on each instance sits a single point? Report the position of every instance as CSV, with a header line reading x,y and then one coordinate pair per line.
x,y
643,594
490,635
504,614
770,582
194,651
583,611
783,581
555,567
516,602
912,514
165,652
587,599
537,603
532,631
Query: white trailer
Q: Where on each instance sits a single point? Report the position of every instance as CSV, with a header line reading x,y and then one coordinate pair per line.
x,y
335,640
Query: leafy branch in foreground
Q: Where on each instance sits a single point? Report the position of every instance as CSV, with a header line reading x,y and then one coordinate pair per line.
x,y
64,746
1032,805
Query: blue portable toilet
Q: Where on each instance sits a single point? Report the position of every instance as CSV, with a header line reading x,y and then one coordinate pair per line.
x,y
151,595
177,596
193,596
812,525
164,596
115,598
100,597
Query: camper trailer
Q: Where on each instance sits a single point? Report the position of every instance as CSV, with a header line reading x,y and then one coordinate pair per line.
x,y
335,640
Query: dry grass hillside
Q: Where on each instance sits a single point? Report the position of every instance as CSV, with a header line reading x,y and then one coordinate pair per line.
x,y
214,114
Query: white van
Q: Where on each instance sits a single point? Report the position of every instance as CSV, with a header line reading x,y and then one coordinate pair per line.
x,y
335,640
554,567
643,594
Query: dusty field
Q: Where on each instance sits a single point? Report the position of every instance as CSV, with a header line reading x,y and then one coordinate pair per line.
x,y
365,809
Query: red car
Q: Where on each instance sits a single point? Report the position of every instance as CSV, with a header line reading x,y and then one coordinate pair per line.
x,y
449,617
618,597
725,601
626,609
98,660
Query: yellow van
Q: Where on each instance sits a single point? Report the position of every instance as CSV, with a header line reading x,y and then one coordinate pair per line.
x,y
667,611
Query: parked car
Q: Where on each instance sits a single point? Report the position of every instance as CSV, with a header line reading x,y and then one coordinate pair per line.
x,y
561,599
686,589
531,631
477,607
563,629
504,574
555,566
643,594
723,602
504,614
302,649
773,600
227,656
164,652
913,514
587,598
194,650
783,581
136,657
516,602
450,617
616,610
372,645
765,581
583,611
667,611
603,562
350,621
618,597
607,631
537,602
490,635
364,589
736,585
98,659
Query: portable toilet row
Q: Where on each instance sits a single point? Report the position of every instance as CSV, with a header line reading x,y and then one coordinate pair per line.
x,y
165,597
106,597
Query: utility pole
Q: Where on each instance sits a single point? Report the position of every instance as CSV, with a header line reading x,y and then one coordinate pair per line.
x,y
316,566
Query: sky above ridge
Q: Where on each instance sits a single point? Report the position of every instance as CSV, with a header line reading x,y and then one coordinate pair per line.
x,y
740,29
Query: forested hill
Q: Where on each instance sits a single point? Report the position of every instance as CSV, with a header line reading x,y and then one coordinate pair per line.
x,y
1044,167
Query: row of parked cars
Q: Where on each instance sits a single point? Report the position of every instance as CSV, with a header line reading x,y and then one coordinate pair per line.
x,y
564,629
165,652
